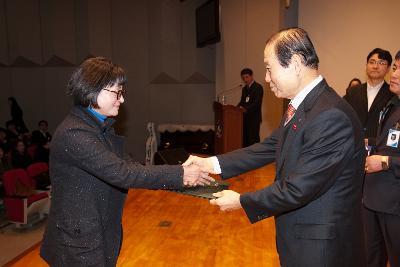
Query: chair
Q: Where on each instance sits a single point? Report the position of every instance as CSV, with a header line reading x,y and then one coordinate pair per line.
x,y
23,210
39,171
37,168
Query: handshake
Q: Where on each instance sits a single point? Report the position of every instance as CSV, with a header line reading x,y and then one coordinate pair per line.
x,y
197,171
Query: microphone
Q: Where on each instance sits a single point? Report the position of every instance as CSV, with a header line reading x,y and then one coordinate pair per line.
x,y
222,95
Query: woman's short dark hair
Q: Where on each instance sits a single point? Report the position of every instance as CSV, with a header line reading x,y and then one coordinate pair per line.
x,y
397,56
354,80
92,76
382,54
294,41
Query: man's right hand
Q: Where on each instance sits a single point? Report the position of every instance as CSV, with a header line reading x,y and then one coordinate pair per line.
x,y
205,164
194,175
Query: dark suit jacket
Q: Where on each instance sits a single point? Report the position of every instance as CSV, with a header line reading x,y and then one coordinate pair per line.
x,y
382,189
316,196
90,176
252,115
39,138
357,98
253,107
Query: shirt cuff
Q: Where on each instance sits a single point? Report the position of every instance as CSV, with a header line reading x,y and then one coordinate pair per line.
x,y
215,163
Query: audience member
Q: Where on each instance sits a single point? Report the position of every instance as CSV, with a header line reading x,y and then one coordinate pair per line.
x,y
369,98
250,102
42,152
3,140
41,135
5,163
17,116
12,134
20,158
382,184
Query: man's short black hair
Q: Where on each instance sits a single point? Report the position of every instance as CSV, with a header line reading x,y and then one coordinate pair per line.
x,y
382,54
43,121
246,71
92,76
294,41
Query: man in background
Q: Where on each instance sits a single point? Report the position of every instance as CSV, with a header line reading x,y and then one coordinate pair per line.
x,y
369,98
382,184
42,135
250,102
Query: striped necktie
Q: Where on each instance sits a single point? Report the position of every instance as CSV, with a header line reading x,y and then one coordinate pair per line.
x,y
289,113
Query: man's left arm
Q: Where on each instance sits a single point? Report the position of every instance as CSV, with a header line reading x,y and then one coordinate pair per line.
x,y
328,146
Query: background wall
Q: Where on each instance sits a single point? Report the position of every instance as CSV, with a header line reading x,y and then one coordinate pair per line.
x,y
344,32
169,79
245,27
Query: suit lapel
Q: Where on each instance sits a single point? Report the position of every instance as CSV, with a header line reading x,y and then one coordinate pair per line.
x,y
295,126
289,133
364,99
388,123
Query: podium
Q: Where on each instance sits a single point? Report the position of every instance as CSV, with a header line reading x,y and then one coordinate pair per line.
x,y
228,128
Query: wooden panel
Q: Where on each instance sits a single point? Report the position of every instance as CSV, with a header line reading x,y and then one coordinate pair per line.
x,y
198,234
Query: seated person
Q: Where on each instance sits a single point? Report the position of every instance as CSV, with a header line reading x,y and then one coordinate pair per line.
x,y
41,136
5,163
42,152
12,133
3,140
20,158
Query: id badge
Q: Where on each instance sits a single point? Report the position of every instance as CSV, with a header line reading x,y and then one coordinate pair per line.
x,y
393,138
247,99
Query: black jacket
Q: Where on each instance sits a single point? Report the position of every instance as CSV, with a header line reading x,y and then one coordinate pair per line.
x,y
90,176
253,107
316,196
357,98
382,189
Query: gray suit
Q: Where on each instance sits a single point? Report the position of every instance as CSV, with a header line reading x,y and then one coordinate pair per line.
x,y
316,196
90,176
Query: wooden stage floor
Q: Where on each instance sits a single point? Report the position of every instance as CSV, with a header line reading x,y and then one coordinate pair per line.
x,y
168,229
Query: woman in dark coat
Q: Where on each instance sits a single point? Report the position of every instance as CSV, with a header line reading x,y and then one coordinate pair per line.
x,y
90,174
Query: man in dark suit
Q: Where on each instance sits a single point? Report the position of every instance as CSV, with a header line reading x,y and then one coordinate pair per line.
x,y
382,184
369,98
319,155
42,135
250,102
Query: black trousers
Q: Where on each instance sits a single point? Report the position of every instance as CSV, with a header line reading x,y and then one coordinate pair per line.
x,y
382,237
251,132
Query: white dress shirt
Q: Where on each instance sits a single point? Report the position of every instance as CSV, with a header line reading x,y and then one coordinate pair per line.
x,y
372,91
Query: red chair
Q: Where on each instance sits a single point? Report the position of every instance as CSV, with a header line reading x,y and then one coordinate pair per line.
x,y
23,210
39,172
37,168
31,150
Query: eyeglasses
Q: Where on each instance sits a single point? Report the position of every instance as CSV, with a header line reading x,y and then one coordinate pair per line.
x,y
379,62
119,93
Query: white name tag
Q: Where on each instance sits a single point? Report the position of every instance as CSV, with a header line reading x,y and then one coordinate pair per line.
x,y
393,138
247,99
